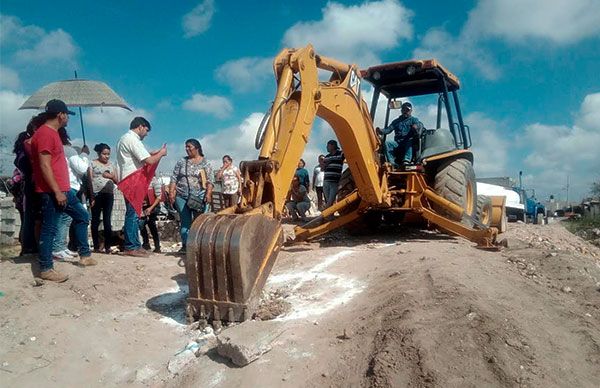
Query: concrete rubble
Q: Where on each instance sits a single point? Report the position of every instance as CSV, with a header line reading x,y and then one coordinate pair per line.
x,y
245,343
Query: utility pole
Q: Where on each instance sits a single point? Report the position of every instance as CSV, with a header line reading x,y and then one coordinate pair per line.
x,y
571,209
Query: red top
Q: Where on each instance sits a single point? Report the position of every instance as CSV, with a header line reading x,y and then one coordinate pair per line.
x,y
46,139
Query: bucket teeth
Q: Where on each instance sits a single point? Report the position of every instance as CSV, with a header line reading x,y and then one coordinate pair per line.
x,y
229,258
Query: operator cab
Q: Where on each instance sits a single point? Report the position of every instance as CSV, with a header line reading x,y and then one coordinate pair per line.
x,y
410,79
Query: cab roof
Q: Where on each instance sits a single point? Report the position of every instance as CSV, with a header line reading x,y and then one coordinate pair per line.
x,y
394,80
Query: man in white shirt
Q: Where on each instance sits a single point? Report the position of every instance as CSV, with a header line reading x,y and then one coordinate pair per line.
x,y
131,155
318,175
77,162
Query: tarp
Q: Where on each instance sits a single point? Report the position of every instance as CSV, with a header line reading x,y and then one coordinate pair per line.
x,y
135,186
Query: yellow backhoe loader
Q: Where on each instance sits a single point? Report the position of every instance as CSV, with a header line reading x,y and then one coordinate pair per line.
x,y
230,254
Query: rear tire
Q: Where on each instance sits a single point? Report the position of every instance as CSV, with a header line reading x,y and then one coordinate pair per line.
x,y
455,181
366,223
346,184
484,210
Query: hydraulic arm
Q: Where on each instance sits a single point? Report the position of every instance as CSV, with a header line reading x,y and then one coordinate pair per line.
x,y
230,254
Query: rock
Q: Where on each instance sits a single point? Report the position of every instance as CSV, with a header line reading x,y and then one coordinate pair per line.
x,y
245,343
513,343
205,343
343,336
551,254
141,375
566,289
178,363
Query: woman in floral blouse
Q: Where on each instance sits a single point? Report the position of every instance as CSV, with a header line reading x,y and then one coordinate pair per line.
x,y
232,181
191,182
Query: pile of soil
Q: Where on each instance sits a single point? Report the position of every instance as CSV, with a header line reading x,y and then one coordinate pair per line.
x,y
402,308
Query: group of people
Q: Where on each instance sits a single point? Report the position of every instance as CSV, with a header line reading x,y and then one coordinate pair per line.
x,y
54,182
56,179
326,177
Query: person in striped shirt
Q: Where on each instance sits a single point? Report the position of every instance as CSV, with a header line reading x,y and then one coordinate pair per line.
x,y
333,164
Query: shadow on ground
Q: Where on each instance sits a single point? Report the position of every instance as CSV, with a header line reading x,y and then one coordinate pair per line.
x,y
388,234
172,304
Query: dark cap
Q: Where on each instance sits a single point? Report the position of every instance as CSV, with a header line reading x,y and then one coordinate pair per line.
x,y
57,106
333,143
407,105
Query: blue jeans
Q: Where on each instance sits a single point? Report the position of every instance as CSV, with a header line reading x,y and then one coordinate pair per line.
x,y
330,192
31,205
298,209
399,150
51,212
131,229
63,223
186,216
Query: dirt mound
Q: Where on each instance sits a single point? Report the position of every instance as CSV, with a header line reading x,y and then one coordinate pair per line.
x,y
402,308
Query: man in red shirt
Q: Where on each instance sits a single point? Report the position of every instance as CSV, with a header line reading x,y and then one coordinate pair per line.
x,y
51,178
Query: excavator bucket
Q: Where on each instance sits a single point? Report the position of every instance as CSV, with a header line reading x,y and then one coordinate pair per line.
x,y
229,258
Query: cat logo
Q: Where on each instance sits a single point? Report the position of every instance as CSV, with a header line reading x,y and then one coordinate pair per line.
x,y
354,83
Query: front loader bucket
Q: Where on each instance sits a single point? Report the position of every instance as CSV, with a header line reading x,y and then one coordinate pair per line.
x,y
229,258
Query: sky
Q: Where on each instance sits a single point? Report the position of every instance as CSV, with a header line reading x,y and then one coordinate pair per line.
x,y
530,89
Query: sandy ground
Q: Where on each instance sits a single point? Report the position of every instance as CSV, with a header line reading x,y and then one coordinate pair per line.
x,y
405,308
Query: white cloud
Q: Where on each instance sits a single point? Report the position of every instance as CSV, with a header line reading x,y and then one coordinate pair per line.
x,y
589,114
245,74
14,34
198,19
55,46
517,22
217,106
456,52
9,79
12,120
112,118
558,21
558,151
237,141
356,34
491,148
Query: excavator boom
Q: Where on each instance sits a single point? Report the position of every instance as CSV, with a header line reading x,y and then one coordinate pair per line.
x,y
230,254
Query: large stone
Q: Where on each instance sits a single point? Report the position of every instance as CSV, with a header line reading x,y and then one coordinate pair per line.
x,y
247,341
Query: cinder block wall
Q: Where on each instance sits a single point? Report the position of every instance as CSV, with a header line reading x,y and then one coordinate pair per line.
x,y
10,222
